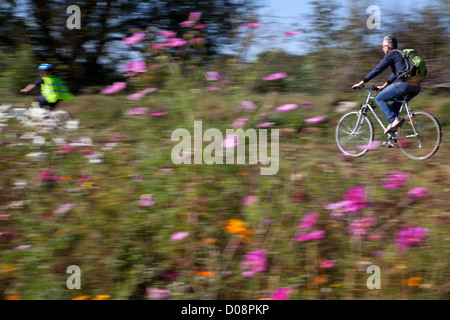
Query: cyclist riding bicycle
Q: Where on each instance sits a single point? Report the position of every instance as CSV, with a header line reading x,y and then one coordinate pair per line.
x,y
53,89
403,87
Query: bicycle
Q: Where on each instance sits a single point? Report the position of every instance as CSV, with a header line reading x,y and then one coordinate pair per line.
x,y
418,135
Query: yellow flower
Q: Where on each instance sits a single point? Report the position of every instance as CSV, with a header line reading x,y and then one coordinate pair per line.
x,y
8,268
412,282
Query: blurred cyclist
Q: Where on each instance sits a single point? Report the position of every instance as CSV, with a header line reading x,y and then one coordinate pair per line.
x,y
411,87
53,89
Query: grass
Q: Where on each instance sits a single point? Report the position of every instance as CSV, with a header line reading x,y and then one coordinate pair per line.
x,y
123,248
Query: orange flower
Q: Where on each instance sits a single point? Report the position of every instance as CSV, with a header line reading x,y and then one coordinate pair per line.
x,y
66,177
412,282
209,241
237,226
81,298
205,273
8,268
320,279
12,298
102,297
242,173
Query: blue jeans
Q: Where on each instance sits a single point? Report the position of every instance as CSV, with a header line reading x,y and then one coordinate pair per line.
x,y
395,91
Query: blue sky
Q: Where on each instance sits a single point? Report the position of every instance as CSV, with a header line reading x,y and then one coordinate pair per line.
x,y
285,15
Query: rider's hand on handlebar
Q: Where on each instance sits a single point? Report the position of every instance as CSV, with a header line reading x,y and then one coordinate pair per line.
x,y
359,85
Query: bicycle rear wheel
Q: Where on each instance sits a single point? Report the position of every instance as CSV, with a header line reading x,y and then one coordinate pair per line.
x,y
419,137
354,132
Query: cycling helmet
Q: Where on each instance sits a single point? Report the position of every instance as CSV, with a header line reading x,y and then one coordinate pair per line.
x,y
45,66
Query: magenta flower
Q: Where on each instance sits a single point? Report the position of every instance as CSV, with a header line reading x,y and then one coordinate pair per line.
x,y
149,90
230,141
370,146
213,88
359,228
147,200
177,236
249,200
130,74
47,175
136,96
254,262
253,25
265,124
197,40
214,76
167,34
201,26
396,180
175,42
136,111
316,120
309,220
158,294
327,264
194,15
315,235
157,113
187,23
376,236
115,87
248,106
281,294
410,237
291,33
239,123
356,198
157,46
83,179
133,39
136,66
274,76
287,107
418,193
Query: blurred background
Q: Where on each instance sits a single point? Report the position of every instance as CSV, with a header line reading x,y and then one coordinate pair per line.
x,y
105,195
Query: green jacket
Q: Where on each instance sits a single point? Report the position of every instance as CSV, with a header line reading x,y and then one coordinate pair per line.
x,y
54,89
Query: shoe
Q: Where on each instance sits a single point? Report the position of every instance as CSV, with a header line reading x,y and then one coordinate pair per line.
x,y
393,125
390,144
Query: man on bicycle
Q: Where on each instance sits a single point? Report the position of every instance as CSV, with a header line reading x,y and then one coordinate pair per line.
x,y
410,87
53,89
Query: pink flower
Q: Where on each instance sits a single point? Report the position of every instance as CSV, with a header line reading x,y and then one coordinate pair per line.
x,y
281,294
133,39
136,111
359,228
396,180
136,66
149,90
22,247
147,200
308,221
315,235
370,146
213,88
239,123
47,175
175,42
356,198
115,87
249,200
83,179
254,262
230,141
197,40
316,120
167,34
177,236
275,76
130,74
287,107
213,76
265,124
410,237
187,23
201,26
327,264
248,106
418,193
65,207
136,96
157,113
158,294
253,25
157,46
194,15
376,236
291,33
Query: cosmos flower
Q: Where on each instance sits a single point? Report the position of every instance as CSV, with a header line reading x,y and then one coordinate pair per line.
x,y
177,236
418,193
133,39
316,120
281,294
410,237
287,107
308,221
396,180
115,87
254,262
274,76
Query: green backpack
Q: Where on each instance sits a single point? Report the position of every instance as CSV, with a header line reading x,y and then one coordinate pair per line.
x,y
415,65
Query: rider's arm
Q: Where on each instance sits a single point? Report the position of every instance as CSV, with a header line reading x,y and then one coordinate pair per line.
x,y
28,87
384,63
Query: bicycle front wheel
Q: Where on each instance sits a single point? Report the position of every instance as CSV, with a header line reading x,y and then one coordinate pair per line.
x,y
419,136
354,132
